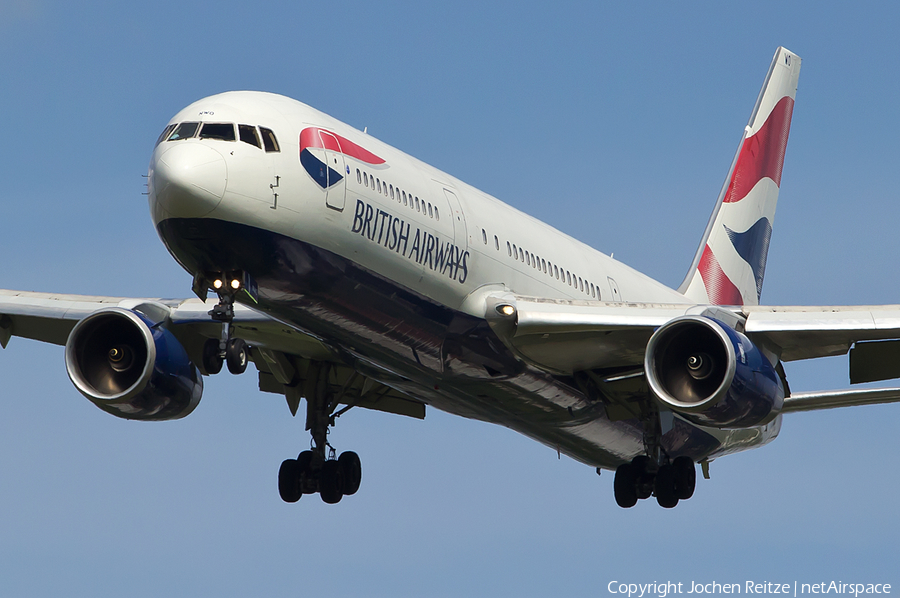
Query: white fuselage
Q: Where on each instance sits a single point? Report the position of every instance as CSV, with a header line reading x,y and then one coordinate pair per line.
x,y
481,224
410,224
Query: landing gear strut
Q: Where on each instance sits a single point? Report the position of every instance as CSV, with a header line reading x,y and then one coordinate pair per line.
x,y
231,351
317,470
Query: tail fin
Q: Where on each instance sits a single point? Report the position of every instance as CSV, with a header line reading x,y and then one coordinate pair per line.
x,y
731,261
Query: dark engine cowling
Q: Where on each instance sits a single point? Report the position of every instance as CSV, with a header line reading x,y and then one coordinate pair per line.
x,y
130,368
711,374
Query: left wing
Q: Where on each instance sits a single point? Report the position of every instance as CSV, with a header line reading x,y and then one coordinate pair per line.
x,y
566,337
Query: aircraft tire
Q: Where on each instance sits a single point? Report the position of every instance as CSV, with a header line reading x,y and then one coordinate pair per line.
x,y
665,487
304,472
643,477
236,356
685,474
331,483
351,471
212,363
289,481
624,486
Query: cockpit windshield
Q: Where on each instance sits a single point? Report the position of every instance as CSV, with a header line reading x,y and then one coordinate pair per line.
x,y
259,137
165,134
184,131
249,135
221,131
269,140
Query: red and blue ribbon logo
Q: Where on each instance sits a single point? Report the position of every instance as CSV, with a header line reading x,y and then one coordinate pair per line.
x,y
315,138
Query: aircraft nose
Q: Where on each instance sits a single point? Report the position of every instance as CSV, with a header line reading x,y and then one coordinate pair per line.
x,y
189,179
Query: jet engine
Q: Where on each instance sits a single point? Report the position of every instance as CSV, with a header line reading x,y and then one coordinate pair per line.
x,y
131,368
711,374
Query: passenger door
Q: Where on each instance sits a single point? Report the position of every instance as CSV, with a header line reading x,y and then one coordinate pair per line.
x,y
614,287
336,187
460,236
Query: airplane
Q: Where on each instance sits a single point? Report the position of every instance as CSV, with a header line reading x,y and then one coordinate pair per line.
x,y
354,276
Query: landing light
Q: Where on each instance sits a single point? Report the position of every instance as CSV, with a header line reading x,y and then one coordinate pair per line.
x,y
217,283
506,310
235,284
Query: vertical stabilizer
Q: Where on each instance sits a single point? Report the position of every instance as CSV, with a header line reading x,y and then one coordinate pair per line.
x,y
731,261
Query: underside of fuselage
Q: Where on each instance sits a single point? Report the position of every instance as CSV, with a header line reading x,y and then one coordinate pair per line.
x,y
447,359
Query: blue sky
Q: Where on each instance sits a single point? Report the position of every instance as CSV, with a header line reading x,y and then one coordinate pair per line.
x,y
615,122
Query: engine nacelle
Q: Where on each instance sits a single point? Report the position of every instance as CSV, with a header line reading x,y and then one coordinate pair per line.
x,y
711,374
131,369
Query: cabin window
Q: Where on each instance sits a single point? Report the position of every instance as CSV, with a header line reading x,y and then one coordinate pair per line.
x,y
403,193
358,176
508,249
378,185
392,191
269,141
418,208
521,255
184,131
484,236
544,265
366,178
430,211
437,215
496,243
165,134
220,131
249,135
527,258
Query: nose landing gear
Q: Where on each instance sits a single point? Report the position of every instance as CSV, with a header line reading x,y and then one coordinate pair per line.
x,y
232,351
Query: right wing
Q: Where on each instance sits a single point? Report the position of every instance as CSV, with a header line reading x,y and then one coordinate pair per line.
x,y
288,359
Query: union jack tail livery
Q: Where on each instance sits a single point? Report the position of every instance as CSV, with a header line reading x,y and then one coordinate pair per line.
x,y
730,263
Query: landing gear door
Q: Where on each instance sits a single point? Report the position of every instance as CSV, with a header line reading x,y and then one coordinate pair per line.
x,y
336,185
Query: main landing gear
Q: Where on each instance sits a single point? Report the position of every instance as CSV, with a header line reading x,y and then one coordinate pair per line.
x,y
669,482
317,469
